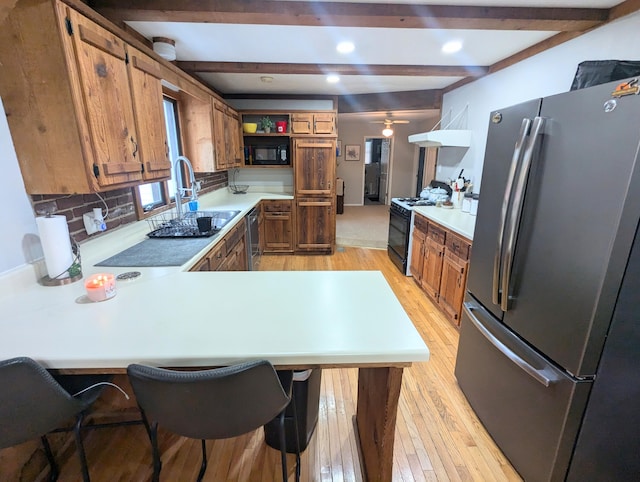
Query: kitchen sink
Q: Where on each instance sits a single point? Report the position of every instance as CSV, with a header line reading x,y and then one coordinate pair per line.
x,y
187,226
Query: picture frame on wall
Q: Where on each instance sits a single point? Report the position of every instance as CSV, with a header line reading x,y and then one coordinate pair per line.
x,y
338,148
352,152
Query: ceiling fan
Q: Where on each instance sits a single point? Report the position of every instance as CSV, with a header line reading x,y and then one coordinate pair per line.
x,y
388,131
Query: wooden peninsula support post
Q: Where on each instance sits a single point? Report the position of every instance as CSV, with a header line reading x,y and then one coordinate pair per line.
x,y
378,395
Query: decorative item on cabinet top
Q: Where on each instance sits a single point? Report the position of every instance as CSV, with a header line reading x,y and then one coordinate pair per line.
x,y
292,123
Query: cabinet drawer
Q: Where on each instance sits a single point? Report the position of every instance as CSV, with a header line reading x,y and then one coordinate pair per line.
x,y
436,233
277,206
233,237
421,224
216,256
458,246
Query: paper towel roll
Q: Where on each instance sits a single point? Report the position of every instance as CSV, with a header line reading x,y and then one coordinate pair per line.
x,y
56,245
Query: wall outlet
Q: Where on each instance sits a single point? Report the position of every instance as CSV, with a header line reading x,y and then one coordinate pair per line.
x,y
93,222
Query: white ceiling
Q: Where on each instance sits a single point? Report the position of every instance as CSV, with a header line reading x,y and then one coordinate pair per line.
x,y
295,44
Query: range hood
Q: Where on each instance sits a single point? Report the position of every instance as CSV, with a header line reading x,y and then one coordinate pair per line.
x,y
442,138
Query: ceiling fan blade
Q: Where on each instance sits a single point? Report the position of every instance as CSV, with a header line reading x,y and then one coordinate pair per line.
x,y
401,121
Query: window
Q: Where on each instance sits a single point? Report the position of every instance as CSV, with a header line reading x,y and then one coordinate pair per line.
x,y
158,194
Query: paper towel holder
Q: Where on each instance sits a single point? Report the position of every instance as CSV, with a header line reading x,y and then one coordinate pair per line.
x,y
75,270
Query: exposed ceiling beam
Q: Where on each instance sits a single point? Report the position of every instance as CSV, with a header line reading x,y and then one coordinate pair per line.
x,y
622,9
343,69
381,15
390,101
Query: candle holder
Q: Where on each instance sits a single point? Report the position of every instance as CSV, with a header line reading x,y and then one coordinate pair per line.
x,y
100,287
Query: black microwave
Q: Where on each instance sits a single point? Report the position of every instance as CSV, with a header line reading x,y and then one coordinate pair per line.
x,y
267,155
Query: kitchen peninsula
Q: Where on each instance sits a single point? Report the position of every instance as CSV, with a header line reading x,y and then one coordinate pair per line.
x,y
175,318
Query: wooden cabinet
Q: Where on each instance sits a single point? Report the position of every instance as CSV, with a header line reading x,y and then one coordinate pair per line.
x,y
277,227
196,129
73,103
213,259
314,168
146,90
419,235
314,123
236,139
227,133
454,275
432,267
439,263
315,224
229,254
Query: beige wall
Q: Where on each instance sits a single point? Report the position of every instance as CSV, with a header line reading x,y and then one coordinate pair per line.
x,y
404,157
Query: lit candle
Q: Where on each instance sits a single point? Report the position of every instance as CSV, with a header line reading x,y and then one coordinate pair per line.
x,y
100,286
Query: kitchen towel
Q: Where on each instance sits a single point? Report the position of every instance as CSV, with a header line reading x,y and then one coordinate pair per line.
x,y
56,245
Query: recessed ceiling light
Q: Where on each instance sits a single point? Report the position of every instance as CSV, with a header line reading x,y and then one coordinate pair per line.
x,y
452,47
345,47
266,79
333,79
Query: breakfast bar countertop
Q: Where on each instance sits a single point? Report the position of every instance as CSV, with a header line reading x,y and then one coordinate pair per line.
x,y
171,317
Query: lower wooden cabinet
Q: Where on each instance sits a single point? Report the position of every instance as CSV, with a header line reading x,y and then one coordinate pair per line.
x,y
229,254
315,224
439,264
277,226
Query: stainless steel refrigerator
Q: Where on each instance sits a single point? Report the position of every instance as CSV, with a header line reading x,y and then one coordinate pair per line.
x,y
554,233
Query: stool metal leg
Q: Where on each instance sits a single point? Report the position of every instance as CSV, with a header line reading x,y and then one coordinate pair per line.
x,y
295,429
157,465
283,447
53,475
80,448
203,467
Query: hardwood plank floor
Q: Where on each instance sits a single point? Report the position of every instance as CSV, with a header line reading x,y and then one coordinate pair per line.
x,y
438,437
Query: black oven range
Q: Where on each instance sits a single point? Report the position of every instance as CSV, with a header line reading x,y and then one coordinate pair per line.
x,y
400,226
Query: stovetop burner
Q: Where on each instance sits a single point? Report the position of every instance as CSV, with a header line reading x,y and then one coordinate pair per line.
x,y
415,201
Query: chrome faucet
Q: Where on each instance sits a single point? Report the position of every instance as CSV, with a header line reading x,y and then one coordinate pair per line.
x,y
180,189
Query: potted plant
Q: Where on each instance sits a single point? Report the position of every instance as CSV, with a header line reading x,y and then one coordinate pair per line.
x,y
267,124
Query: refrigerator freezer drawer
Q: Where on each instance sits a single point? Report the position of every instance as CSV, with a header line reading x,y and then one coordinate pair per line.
x,y
531,409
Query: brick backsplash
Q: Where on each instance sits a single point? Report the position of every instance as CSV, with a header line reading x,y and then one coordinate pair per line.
x,y
120,202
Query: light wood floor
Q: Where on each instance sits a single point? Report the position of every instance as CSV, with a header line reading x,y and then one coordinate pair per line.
x,y
438,437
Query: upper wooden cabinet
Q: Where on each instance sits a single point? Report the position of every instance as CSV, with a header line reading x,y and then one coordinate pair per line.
x,y
146,89
315,123
314,167
197,131
228,137
75,108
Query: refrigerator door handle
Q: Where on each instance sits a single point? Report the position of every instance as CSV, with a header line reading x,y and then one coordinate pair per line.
x,y
516,209
539,375
515,161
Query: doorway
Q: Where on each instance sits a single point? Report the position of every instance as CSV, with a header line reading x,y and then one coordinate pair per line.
x,y
377,152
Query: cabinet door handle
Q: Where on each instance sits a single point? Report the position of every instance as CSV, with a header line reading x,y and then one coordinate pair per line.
x,y
135,146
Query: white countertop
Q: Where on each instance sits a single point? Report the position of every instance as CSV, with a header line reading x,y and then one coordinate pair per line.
x,y
453,219
171,317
